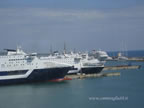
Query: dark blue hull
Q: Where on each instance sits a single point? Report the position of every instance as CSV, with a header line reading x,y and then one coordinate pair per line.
x,y
92,70
40,75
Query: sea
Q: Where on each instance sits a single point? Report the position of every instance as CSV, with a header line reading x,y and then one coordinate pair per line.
x,y
131,53
124,91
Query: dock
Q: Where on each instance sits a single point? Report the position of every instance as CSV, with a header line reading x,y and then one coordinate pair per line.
x,y
81,76
103,74
122,67
136,59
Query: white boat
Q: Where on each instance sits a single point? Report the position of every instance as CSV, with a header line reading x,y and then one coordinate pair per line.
x,y
100,55
121,57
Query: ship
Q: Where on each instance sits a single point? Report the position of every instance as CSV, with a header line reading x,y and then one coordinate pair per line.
x,y
121,57
16,66
100,55
82,63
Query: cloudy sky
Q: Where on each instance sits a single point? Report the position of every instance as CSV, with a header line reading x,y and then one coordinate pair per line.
x,y
82,24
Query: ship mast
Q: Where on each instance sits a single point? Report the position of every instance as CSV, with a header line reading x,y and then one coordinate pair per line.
x,y
51,50
64,48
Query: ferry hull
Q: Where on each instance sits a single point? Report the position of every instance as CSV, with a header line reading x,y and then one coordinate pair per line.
x,y
39,75
86,70
91,70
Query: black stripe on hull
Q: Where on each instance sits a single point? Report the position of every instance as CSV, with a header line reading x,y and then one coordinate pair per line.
x,y
40,75
19,72
92,70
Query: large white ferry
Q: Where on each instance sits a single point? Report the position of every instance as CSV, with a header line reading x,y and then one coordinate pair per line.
x,y
82,63
19,67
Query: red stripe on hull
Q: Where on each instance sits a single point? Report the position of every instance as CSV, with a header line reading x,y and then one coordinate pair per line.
x,y
60,79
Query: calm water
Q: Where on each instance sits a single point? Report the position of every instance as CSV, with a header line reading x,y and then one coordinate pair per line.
x,y
79,93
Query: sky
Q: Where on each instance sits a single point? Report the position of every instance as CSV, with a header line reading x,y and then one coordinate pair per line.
x,y
84,25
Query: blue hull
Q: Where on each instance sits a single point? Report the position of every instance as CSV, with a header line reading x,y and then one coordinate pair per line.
x,y
92,70
40,75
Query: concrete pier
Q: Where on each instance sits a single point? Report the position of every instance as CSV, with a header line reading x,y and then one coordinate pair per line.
x,y
103,74
122,67
81,76
136,59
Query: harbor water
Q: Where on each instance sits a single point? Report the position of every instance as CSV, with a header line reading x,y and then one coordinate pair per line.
x,y
124,91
